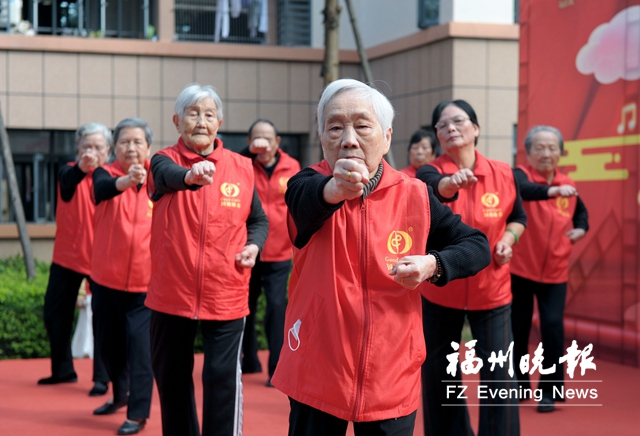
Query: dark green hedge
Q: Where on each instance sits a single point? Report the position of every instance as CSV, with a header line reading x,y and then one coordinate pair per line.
x,y
22,332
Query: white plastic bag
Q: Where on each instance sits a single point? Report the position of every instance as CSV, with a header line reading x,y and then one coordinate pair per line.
x,y
82,342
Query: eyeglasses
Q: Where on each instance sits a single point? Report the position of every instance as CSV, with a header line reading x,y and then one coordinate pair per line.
x,y
457,122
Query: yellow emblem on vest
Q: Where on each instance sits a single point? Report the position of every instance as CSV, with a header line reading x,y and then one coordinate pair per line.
x,y
399,242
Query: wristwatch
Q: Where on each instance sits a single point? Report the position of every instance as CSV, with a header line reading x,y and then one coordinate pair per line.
x,y
436,276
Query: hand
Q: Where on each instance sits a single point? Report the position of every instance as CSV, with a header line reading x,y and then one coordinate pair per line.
x,y
88,161
137,174
348,182
410,271
201,173
247,257
562,191
259,146
575,235
462,179
503,253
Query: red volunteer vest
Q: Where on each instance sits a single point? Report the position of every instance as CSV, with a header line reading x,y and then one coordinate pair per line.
x,y
74,228
409,171
121,258
485,206
196,236
354,343
542,255
271,191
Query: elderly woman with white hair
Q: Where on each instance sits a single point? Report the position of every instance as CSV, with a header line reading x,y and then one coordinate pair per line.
x,y
208,228
72,253
540,266
366,238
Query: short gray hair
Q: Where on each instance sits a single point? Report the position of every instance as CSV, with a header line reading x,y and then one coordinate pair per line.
x,y
528,140
91,129
381,104
129,123
194,93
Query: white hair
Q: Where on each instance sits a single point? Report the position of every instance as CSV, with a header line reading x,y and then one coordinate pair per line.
x,y
92,128
194,93
381,104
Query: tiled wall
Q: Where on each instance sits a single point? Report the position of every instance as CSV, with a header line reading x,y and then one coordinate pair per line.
x,y
62,90
483,72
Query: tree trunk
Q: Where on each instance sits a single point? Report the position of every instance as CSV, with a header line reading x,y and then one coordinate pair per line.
x,y
331,64
14,193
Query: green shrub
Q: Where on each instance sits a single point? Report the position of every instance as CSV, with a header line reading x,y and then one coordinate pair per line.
x,y
22,332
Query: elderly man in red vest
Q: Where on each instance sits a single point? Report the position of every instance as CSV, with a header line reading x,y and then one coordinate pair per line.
x,y
366,238
272,168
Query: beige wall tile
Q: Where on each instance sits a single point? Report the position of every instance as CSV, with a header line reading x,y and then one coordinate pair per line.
x,y
3,71
167,131
413,114
25,72
399,151
477,98
377,69
425,67
400,128
500,149
151,112
470,62
435,59
299,118
96,75
351,71
278,113
177,73
24,112
502,107
61,113
426,108
243,82
273,79
412,71
124,108
503,63
240,116
149,76
125,76
213,72
446,62
317,83
299,81
3,107
398,73
96,109
61,74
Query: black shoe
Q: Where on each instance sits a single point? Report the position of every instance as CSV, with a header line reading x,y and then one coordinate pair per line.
x,y
110,407
269,384
251,369
546,405
98,389
131,427
71,378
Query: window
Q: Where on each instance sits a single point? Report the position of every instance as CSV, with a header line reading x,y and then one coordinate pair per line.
x,y
428,13
294,22
115,18
37,156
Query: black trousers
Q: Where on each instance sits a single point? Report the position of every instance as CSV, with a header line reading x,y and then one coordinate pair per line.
x,y
122,327
551,300
492,329
273,276
307,421
172,339
59,309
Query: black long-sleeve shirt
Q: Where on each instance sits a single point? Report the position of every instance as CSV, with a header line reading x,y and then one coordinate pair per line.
x,y
168,177
430,175
531,191
463,251
69,177
104,185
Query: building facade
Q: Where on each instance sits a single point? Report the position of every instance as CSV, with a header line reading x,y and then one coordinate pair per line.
x,y
99,70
